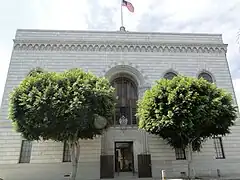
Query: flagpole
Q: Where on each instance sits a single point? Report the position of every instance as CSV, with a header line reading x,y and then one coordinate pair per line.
x,y
121,14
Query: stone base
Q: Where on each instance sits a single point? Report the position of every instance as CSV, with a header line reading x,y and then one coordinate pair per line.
x,y
86,171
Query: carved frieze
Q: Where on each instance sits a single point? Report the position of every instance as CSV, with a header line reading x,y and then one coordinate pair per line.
x,y
119,47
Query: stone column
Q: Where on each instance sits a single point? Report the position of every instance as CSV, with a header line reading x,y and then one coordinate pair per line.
x,y
141,91
103,143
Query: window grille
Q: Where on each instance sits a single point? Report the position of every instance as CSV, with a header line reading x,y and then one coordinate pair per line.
x,y
219,148
25,154
180,154
127,96
66,153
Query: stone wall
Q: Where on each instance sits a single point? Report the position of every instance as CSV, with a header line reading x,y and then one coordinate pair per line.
x,y
146,57
46,159
204,163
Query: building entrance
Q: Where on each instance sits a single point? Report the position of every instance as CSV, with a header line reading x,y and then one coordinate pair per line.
x,y
124,161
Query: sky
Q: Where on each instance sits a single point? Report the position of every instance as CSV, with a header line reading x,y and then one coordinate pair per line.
x,y
188,16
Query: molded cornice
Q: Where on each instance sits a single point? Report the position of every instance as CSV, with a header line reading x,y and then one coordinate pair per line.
x,y
103,46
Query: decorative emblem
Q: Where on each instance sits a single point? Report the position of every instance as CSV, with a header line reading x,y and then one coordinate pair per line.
x,y
123,122
100,122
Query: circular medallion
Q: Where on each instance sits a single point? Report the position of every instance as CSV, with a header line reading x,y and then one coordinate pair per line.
x,y
100,122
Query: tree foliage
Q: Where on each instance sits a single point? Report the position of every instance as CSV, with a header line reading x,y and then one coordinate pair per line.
x,y
56,106
61,107
186,109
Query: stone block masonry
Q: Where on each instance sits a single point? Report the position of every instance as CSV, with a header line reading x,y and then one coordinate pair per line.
x,y
144,56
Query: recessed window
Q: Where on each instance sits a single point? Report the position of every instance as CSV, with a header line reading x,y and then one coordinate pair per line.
x,y
180,154
35,71
126,91
206,76
25,154
170,75
66,153
218,148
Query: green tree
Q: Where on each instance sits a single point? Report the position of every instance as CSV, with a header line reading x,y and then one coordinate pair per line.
x,y
62,107
185,112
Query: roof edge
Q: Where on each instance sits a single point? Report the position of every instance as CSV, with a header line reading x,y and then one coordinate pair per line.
x,y
117,31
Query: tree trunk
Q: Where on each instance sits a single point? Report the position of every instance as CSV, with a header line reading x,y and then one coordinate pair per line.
x,y
75,152
189,161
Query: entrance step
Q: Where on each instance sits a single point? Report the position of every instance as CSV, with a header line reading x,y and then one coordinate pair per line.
x,y
129,176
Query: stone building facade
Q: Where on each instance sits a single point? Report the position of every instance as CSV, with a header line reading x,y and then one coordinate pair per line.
x,y
132,61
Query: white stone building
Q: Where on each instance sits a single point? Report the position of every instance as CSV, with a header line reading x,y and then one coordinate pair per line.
x,y
132,61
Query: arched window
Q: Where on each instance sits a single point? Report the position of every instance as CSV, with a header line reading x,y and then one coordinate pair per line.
x,y
206,76
35,71
126,92
170,75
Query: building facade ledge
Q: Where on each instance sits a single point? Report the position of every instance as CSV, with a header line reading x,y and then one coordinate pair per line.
x,y
118,46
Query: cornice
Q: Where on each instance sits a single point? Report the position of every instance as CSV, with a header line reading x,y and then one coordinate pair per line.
x,y
117,46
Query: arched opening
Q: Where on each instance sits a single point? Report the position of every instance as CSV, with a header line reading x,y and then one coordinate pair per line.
x,y
127,96
170,75
126,70
206,76
35,71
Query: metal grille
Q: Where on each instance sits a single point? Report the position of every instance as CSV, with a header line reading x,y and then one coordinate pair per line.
x,y
180,154
25,154
134,118
66,153
219,148
126,91
206,76
169,75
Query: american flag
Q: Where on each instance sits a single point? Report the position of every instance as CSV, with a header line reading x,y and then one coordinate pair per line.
x,y
128,5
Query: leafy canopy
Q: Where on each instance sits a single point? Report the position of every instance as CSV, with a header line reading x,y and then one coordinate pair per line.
x,y
186,109
61,106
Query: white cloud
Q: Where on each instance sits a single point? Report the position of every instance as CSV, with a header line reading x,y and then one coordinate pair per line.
x,y
61,14
13,14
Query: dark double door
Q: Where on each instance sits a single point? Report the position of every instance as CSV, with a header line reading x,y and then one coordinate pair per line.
x,y
124,160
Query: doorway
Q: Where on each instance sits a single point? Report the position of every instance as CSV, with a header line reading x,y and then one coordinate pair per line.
x,y
124,160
